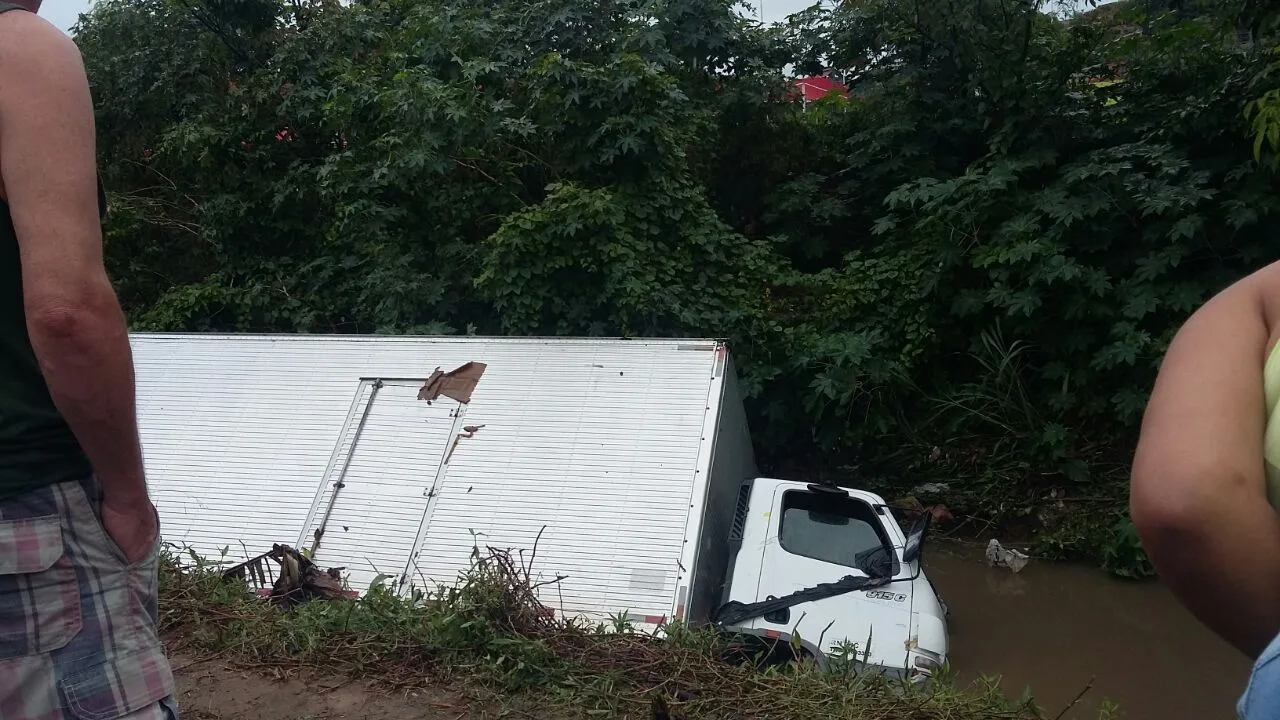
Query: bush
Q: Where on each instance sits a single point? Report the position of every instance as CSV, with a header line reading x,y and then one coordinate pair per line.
x,y
965,271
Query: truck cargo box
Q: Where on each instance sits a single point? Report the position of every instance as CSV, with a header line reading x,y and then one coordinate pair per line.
x,y
397,456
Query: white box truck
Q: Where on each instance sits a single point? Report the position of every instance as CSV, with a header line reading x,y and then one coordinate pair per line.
x,y
629,460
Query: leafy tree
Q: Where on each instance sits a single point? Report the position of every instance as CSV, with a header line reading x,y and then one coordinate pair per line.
x,y
966,270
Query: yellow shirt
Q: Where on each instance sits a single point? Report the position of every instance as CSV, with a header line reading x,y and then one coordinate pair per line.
x,y
1271,440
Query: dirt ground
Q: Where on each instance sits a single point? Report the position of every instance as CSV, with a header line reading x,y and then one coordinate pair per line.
x,y
209,689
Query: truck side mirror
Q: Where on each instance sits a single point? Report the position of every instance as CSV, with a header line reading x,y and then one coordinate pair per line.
x,y
915,537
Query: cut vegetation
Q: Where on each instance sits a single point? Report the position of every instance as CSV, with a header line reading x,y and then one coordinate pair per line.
x,y
486,648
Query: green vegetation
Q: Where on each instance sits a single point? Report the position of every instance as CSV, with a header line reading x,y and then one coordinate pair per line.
x,y
489,635
965,272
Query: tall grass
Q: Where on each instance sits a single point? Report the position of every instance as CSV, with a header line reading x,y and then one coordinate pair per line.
x,y
1016,461
490,634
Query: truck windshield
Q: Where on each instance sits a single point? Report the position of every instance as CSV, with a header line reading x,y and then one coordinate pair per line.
x,y
828,528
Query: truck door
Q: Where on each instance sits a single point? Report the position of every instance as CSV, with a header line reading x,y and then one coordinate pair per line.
x,y
815,538
385,469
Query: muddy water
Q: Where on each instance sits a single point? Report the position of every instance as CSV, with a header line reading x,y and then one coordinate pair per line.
x,y
1054,628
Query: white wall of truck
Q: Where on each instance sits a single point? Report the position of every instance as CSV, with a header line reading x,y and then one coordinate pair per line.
x,y
626,455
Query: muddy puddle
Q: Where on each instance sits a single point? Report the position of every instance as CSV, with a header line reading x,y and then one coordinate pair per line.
x,y
1055,628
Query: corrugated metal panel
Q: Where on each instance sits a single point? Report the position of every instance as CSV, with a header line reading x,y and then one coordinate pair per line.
x,y
604,460
376,513
597,441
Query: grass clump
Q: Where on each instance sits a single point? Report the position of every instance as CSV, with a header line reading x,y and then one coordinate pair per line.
x,y
491,633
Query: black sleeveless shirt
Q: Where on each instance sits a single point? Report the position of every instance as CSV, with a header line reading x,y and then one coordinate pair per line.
x,y
37,448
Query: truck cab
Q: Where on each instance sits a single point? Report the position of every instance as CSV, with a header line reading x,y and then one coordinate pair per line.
x,y
830,571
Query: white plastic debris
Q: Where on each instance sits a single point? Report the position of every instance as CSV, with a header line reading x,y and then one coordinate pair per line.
x,y
1001,556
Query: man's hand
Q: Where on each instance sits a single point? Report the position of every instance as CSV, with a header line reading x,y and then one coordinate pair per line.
x,y
132,525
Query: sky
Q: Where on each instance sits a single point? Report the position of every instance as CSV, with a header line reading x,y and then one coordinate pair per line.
x,y
63,13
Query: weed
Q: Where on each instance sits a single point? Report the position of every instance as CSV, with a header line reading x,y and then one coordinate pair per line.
x,y
491,633
1105,537
1009,463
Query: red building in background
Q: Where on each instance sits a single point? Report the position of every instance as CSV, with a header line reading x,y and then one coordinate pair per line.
x,y
816,87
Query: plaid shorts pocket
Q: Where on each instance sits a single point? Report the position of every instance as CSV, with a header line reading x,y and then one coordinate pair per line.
x,y
39,589
128,684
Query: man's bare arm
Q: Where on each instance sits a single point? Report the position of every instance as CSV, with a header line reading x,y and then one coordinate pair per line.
x,y
48,167
1198,494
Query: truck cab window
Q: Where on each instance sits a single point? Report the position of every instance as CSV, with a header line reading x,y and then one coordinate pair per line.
x,y
826,528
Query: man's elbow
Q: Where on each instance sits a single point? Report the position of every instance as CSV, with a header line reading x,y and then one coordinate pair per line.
x,y
70,318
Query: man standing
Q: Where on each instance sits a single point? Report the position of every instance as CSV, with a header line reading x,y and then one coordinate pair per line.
x,y
78,533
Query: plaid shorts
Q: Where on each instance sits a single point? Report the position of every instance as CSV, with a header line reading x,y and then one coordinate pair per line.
x,y
78,634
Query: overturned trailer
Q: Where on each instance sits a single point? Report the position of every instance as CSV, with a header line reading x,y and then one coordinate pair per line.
x,y
627,462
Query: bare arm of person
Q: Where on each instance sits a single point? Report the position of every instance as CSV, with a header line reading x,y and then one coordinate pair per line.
x,y
78,331
1198,493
